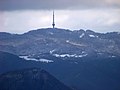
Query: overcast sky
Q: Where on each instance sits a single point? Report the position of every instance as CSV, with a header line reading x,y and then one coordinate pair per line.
x,y
19,16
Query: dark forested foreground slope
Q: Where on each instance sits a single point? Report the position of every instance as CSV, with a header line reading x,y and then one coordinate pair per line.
x,y
85,60
81,73
30,79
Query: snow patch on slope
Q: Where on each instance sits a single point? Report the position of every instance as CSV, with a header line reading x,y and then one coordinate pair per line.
x,y
68,55
37,60
75,44
45,60
52,51
82,35
67,41
93,36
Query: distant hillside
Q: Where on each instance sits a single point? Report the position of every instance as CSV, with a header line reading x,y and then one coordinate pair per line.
x,y
30,79
61,41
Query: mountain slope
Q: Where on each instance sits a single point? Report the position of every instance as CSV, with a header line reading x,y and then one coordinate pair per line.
x,y
30,79
84,72
11,62
83,59
61,41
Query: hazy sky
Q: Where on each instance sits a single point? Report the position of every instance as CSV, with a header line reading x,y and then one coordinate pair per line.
x,y
19,16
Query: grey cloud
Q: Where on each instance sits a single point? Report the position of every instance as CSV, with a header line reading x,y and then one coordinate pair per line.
x,y
6,5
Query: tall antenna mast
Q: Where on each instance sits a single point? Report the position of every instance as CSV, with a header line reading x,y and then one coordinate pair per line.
x,y
53,24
